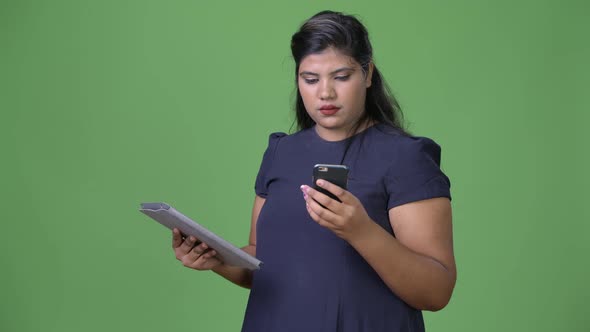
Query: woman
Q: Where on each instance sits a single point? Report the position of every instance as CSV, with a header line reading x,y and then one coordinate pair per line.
x,y
372,261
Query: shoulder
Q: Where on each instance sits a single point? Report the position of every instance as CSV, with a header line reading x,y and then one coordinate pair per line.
x,y
400,144
416,148
276,138
413,169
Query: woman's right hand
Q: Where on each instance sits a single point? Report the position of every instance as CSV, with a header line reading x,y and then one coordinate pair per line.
x,y
199,257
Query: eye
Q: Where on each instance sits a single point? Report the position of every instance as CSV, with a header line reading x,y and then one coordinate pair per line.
x,y
310,80
342,78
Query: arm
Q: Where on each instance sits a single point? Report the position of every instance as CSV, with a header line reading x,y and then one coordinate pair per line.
x,y
200,257
418,264
240,276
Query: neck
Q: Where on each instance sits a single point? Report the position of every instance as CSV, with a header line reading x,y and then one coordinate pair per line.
x,y
334,135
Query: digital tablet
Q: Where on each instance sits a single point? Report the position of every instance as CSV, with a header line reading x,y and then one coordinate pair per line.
x,y
227,252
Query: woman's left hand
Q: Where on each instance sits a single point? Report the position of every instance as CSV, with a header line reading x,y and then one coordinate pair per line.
x,y
346,219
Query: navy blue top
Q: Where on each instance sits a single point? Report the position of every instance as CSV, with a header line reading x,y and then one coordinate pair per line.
x,y
311,280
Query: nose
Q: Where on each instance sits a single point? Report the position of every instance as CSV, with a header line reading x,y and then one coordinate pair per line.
x,y
326,90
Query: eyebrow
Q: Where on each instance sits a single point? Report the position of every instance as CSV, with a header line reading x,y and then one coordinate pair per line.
x,y
331,73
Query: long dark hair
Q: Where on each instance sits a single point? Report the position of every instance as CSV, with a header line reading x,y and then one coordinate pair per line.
x,y
345,33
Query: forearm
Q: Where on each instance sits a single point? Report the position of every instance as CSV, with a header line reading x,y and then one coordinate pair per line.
x,y
422,282
239,276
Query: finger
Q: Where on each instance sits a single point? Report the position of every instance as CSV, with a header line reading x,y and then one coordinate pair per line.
x,y
176,238
206,263
188,244
194,254
200,249
334,189
323,199
320,211
208,254
316,217
202,261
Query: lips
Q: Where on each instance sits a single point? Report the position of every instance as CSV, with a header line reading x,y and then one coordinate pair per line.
x,y
329,109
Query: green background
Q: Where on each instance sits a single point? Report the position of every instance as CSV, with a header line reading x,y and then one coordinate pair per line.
x,y
105,104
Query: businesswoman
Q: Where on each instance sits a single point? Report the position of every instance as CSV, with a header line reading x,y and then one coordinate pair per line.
x,y
380,254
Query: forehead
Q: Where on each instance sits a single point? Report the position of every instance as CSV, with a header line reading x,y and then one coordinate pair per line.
x,y
326,61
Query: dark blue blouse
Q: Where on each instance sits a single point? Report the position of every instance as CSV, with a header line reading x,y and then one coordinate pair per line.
x,y
311,279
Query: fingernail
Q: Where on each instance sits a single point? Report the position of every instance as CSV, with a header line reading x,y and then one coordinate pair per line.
x,y
320,183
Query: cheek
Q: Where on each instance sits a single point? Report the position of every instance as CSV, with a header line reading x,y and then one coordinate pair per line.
x,y
358,94
309,104
306,93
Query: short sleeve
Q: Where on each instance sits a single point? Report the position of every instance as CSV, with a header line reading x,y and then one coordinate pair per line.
x,y
416,173
262,179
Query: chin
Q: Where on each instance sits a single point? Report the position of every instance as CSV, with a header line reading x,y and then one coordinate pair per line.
x,y
329,124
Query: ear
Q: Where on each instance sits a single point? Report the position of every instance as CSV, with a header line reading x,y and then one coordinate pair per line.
x,y
369,75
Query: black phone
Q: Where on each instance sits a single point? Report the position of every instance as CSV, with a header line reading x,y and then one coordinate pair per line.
x,y
336,174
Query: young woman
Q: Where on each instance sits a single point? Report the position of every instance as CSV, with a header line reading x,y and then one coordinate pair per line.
x,y
383,253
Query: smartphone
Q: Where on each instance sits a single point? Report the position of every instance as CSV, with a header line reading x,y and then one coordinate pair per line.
x,y
336,174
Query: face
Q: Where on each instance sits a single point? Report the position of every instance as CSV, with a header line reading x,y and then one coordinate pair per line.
x,y
333,87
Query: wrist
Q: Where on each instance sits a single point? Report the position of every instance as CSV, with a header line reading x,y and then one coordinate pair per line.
x,y
220,268
363,234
